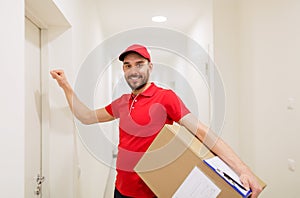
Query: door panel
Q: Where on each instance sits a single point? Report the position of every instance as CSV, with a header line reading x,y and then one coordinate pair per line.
x,y
33,110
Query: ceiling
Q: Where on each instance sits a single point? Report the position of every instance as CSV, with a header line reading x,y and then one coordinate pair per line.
x,y
120,15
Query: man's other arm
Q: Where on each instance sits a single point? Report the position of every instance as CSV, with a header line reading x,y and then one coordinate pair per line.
x,y
223,150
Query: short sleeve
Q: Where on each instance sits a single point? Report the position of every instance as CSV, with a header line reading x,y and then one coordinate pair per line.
x,y
118,105
109,110
176,109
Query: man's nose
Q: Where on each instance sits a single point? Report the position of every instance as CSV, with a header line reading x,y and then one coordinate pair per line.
x,y
134,69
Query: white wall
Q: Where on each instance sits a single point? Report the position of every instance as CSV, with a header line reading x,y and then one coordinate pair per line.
x,y
226,57
12,124
202,32
202,29
270,45
255,46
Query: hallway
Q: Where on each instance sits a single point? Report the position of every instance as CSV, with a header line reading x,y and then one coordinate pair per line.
x,y
253,45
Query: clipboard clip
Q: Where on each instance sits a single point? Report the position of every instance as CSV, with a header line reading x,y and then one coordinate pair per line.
x,y
232,180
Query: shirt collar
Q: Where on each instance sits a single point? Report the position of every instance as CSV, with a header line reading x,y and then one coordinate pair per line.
x,y
149,91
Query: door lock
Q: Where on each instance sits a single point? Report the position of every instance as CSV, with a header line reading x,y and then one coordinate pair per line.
x,y
39,180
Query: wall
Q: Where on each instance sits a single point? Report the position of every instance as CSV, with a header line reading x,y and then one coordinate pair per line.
x,y
12,124
255,46
226,57
270,45
202,32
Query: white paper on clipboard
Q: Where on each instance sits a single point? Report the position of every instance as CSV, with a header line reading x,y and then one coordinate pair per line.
x,y
197,185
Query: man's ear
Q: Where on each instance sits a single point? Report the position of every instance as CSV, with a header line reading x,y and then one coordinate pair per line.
x,y
150,66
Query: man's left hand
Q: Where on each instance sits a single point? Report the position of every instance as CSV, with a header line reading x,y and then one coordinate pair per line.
x,y
250,181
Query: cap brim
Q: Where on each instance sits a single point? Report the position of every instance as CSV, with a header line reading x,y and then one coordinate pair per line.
x,y
124,54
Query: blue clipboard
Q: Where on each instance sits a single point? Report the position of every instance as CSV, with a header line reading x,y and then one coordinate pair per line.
x,y
227,176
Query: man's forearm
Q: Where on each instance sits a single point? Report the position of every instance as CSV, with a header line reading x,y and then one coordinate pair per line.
x,y
223,150
81,111
219,147
214,143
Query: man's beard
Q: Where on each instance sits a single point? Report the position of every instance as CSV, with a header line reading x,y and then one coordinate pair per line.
x,y
139,87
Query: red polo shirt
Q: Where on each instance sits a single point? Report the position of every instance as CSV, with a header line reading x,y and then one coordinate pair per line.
x,y
141,118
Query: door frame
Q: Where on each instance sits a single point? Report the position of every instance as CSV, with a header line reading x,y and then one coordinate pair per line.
x,y
46,16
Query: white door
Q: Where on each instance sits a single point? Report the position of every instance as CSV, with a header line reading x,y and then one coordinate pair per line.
x,y
33,111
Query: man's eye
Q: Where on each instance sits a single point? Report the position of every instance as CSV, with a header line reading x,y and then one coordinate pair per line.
x,y
140,65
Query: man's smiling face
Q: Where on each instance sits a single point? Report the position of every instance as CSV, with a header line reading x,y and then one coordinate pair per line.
x,y
136,71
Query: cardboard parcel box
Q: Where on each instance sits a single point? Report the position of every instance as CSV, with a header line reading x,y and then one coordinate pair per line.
x,y
173,166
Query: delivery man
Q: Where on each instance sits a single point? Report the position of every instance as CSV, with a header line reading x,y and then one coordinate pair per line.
x,y
142,114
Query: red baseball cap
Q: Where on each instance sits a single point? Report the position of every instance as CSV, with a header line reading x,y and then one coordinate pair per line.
x,y
136,48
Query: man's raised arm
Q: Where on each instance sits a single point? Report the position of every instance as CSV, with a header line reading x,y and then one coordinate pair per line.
x,y
81,111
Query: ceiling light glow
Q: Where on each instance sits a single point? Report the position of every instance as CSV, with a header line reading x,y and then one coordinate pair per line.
x,y
159,19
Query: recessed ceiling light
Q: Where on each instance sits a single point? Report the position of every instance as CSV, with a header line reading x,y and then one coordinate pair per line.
x,y
159,19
